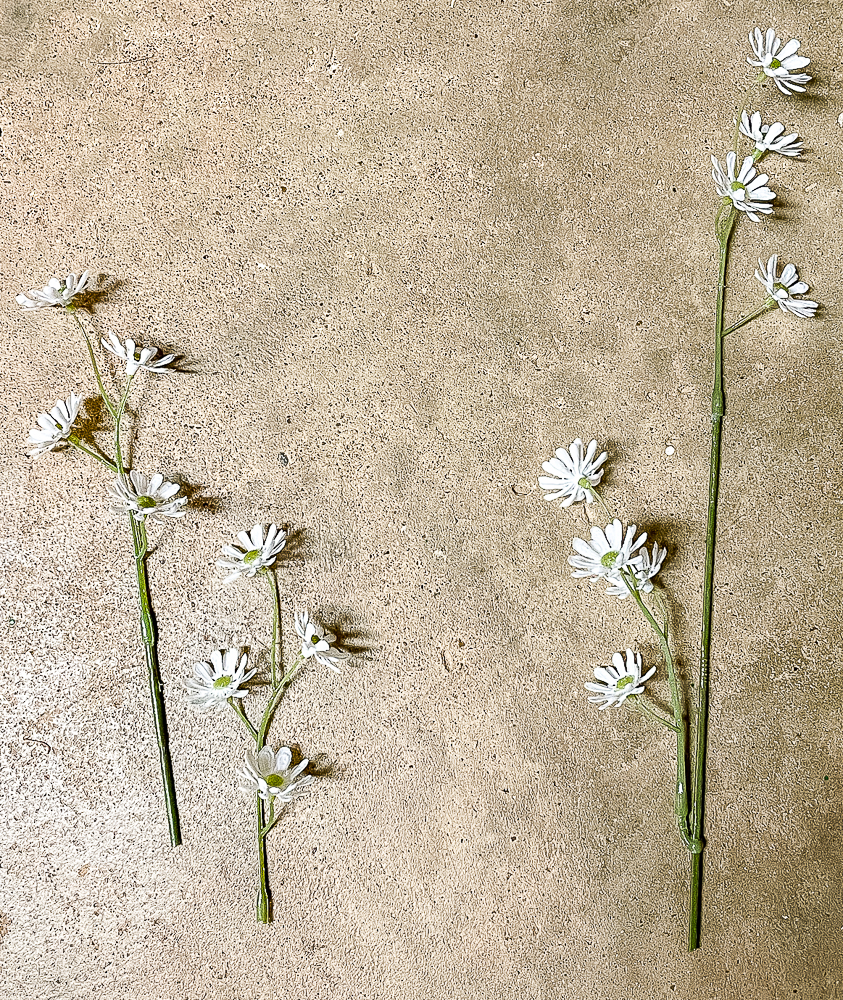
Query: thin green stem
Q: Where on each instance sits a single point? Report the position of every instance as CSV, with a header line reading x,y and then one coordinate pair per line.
x,y
241,714
640,705
150,645
765,306
602,503
681,796
112,409
276,625
118,418
275,697
74,440
264,900
718,410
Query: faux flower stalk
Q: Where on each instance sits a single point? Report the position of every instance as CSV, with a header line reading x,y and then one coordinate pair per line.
x,y
144,499
267,775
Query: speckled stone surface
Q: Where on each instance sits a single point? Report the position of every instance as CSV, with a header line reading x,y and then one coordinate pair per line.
x,y
407,250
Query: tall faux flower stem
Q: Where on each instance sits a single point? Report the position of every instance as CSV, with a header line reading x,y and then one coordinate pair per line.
x,y
764,307
723,230
150,646
112,409
276,625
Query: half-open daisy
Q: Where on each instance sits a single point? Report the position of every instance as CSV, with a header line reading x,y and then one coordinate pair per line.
x,y
219,678
57,292
270,776
137,358
782,288
619,681
770,138
316,641
779,62
747,189
254,551
54,427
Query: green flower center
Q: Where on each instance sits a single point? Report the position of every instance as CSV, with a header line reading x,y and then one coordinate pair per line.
x,y
221,682
586,485
276,781
624,682
736,186
252,557
775,64
609,559
146,503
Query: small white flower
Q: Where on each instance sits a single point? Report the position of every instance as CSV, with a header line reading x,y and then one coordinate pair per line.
x,y
647,567
572,473
620,680
270,775
57,292
135,357
255,551
777,62
316,642
146,497
607,553
769,138
55,426
747,189
219,679
782,288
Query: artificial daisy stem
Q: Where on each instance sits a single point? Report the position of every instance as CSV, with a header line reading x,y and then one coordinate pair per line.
x,y
74,440
276,622
764,307
602,503
264,901
275,697
240,713
105,397
150,645
645,709
681,797
723,231
118,417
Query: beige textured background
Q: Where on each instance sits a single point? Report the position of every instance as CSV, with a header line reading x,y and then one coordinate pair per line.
x,y
413,248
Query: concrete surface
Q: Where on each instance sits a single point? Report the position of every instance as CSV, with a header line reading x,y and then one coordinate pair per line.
x,y
412,248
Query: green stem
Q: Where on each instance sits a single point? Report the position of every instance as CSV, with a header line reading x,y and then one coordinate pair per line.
x,y
76,442
241,714
150,645
764,307
718,410
105,397
264,901
645,709
680,803
276,624
275,697
602,503
118,418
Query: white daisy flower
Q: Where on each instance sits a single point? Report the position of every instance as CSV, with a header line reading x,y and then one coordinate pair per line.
x,y
747,189
254,551
316,642
782,288
146,497
769,138
778,63
135,357
620,680
648,566
573,473
57,292
269,775
219,679
607,553
55,426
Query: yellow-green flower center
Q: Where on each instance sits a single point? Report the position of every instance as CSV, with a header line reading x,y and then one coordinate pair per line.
x,y
146,503
775,64
252,557
624,682
586,485
736,186
609,559
222,682
276,781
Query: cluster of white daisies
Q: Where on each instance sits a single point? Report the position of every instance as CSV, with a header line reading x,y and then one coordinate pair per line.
x,y
613,555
